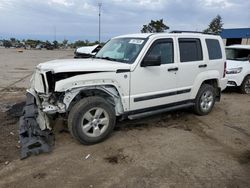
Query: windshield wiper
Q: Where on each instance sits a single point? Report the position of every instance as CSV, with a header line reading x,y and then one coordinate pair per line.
x,y
107,58
110,59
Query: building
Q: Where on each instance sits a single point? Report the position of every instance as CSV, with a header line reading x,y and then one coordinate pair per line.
x,y
236,36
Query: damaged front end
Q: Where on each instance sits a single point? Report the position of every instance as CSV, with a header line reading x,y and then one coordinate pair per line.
x,y
53,92
35,133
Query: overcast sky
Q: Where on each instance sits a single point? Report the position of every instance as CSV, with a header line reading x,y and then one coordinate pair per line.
x,y
78,19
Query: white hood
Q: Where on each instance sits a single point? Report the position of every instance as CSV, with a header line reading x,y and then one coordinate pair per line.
x,y
73,65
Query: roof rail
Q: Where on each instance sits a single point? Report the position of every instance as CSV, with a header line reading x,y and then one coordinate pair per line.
x,y
179,31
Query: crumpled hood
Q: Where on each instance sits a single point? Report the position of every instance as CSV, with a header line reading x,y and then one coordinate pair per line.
x,y
235,64
73,65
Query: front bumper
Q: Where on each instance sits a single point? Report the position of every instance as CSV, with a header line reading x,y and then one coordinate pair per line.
x,y
34,135
234,79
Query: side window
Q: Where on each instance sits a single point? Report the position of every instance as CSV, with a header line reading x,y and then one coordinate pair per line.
x,y
214,49
164,49
190,49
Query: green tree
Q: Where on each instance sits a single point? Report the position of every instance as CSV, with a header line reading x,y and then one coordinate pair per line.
x,y
55,44
79,43
65,42
215,26
157,26
32,43
13,40
7,44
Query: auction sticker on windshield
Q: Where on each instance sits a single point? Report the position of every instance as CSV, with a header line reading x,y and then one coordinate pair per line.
x,y
136,41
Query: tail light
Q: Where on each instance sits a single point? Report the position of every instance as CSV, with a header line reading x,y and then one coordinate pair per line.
x,y
225,69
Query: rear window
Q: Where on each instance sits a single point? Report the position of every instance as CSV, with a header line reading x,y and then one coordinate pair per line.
x,y
214,49
190,49
237,54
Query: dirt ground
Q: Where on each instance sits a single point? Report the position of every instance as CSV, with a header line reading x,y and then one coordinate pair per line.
x,y
177,149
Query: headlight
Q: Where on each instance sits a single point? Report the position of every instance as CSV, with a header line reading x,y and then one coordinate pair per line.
x,y
234,70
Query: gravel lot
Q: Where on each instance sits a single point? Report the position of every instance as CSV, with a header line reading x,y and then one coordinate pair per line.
x,y
177,149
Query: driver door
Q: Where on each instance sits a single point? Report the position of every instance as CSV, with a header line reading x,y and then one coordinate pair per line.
x,y
155,85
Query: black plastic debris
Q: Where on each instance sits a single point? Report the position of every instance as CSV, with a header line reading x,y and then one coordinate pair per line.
x,y
33,140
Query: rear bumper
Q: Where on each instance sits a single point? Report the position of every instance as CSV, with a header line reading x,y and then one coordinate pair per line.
x,y
223,83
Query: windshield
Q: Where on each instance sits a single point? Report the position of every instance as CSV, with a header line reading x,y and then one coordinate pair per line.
x,y
237,54
123,50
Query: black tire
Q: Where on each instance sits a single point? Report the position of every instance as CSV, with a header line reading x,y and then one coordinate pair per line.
x,y
88,106
245,86
200,108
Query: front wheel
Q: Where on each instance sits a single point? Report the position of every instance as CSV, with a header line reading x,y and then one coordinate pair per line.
x,y
205,100
91,120
245,86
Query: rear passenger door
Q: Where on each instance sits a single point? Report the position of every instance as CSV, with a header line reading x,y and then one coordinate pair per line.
x,y
191,64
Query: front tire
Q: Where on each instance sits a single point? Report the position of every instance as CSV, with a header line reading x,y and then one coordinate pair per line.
x,y
91,120
205,100
245,86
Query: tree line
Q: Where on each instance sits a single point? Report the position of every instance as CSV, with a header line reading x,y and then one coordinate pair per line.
x,y
39,44
155,26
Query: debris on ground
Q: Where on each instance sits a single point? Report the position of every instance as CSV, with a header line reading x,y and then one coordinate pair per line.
x,y
117,158
87,156
39,176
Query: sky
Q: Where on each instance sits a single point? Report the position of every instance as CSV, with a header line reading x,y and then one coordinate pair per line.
x,y
78,19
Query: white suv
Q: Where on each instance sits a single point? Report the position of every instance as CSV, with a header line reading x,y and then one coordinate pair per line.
x,y
132,76
238,67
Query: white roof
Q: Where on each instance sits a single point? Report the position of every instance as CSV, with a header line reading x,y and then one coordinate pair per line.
x,y
239,46
149,35
135,35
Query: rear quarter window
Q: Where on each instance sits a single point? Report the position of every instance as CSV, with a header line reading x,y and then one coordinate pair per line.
x,y
214,49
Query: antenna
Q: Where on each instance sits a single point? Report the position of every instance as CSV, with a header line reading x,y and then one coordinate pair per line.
x,y
99,5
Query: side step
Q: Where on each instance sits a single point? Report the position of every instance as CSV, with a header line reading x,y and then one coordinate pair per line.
x,y
158,111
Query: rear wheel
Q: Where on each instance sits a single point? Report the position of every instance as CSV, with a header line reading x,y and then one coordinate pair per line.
x,y
205,100
91,120
245,86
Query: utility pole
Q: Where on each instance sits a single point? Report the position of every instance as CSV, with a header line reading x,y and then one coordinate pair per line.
x,y
99,5
54,32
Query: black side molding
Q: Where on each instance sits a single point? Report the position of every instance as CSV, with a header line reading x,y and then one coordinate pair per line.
x,y
122,70
161,110
162,107
138,99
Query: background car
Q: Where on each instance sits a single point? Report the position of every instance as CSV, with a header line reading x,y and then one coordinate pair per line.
x,y
238,67
87,51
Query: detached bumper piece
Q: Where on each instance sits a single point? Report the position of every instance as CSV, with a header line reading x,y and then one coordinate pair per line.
x,y
33,139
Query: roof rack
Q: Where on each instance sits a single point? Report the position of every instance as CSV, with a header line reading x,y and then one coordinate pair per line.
x,y
179,31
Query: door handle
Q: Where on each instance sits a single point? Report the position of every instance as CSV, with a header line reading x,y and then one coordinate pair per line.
x,y
173,69
203,66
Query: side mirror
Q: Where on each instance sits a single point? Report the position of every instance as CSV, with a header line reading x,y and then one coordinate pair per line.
x,y
151,60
